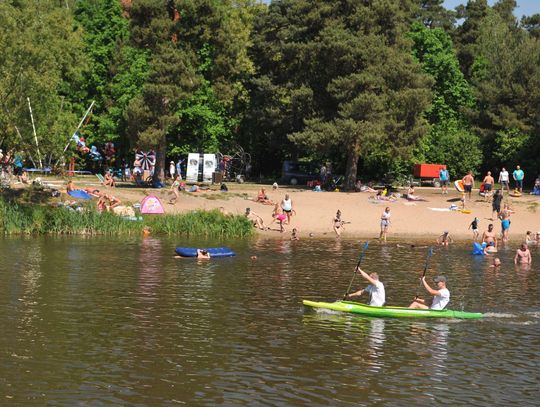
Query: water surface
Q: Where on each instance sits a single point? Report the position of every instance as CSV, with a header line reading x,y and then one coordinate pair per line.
x,y
111,322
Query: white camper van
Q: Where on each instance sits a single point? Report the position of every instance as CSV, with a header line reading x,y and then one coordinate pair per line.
x,y
200,167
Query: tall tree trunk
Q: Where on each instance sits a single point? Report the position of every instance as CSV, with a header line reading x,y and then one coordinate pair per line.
x,y
159,170
352,166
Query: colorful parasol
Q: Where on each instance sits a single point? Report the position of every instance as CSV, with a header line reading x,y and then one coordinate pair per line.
x,y
147,159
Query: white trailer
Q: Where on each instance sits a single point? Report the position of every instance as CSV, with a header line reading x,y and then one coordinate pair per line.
x,y
200,167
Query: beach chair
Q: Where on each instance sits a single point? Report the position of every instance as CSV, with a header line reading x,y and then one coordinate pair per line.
x,y
101,178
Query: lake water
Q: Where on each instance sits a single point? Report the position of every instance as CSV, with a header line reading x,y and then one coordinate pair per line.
x,y
110,322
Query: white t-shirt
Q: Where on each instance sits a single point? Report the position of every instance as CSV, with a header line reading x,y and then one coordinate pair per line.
x,y
440,301
503,176
378,296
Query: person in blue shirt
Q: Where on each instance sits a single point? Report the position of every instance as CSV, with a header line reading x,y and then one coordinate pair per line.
x,y
444,177
518,177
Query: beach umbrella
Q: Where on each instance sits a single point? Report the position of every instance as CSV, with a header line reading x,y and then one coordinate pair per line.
x,y
147,159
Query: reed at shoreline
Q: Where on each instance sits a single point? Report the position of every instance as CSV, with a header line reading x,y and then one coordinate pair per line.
x,y
17,218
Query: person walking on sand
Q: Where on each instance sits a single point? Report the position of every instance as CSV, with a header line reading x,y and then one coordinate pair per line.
x,y
518,176
172,169
488,185
468,182
504,180
523,255
496,204
474,227
175,189
287,207
375,289
441,296
337,224
444,178
385,223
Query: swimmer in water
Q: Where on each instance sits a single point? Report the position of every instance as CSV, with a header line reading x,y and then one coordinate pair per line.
x,y
496,263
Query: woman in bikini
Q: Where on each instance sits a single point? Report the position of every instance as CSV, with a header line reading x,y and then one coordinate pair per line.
x,y
338,224
263,198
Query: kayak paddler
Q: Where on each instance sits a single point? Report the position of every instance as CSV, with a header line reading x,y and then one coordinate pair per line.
x,y
441,296
375,289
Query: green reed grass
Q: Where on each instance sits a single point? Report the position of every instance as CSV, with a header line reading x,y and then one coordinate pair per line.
x,y
17,218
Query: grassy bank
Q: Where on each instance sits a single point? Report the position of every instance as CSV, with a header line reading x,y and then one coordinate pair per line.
x,y
19,218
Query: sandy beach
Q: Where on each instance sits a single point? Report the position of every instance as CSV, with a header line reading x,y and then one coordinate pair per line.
x,y
315,210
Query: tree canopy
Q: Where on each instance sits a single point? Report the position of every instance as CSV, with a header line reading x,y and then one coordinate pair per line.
x,y
370,87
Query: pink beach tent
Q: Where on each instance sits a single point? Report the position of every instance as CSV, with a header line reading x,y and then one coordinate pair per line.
x,y
151,205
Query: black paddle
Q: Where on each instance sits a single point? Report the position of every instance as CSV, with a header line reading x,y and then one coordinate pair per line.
x,y
358,265
429,253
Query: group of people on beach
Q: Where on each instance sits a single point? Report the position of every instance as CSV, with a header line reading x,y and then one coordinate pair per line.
x,y
106,201
488,183
282,213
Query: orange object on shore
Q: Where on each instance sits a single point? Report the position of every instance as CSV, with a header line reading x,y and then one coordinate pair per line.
x,y
427,170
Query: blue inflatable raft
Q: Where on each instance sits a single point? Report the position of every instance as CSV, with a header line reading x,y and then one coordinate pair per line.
x,y
79,194
213,251
478,249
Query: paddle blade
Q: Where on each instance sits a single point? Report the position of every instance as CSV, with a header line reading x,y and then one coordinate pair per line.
x,y
364,248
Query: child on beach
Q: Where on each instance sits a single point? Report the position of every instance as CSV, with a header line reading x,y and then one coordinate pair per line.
x,y
294,234
444,239
278,215
474,227
529,239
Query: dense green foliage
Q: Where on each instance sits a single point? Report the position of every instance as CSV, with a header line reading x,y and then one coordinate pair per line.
x,y
18,218
450,140
371,87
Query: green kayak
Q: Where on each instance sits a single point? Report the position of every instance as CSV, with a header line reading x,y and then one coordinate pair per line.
x,y
390,312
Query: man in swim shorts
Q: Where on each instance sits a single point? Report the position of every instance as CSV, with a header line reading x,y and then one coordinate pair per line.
x,y
523,255
468,181
490,239
488,185
375,289
441,296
